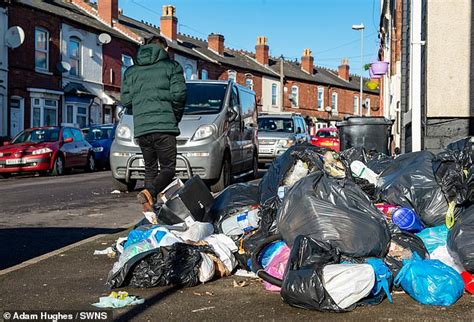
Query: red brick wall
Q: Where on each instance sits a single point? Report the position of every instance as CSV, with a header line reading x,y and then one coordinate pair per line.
x,y
112,54
22,74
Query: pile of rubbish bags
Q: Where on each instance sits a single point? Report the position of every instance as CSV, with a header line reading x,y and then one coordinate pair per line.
x,y
328,231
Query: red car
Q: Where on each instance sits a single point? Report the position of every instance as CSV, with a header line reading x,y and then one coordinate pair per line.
x,y
327,138
53,150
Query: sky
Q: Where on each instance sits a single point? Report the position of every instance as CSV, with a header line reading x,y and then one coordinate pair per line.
x,y
324,26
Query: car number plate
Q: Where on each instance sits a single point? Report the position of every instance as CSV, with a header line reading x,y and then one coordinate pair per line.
x,y
265,150
13,161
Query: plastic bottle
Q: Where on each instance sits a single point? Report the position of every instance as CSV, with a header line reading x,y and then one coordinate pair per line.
x,y
407,220
241,223
360,170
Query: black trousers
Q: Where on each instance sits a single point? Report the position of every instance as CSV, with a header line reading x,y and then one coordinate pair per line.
x,y
158,147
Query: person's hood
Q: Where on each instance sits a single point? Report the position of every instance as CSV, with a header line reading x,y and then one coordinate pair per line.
x,y
150,54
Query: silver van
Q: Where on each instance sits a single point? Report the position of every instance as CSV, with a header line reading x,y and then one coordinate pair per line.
x,y
218,139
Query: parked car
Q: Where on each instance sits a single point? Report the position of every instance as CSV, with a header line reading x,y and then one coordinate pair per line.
x,y
218,137
327,138
278,132
54,150
101,138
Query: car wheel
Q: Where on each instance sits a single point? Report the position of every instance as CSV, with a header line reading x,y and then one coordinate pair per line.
x,y
225,177
5,175
58,166
90,166
123,186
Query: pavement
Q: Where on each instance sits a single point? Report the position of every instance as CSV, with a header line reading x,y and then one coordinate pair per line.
x,y
75,278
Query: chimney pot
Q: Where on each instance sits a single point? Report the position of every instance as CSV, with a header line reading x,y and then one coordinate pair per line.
x,y
307,61
215,42
169,23
343,69
261,50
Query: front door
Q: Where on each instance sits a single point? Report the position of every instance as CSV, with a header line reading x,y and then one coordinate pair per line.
x,y
16,116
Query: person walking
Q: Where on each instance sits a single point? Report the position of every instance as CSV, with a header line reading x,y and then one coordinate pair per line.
x,y
155,89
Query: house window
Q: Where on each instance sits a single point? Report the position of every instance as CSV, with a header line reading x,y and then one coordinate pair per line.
x,y
367,103
127,61
74,54
188,72
249,82
232,75
294,96
41,49
44,112
77,114
356,105
320,98
204,74
274,94
334,102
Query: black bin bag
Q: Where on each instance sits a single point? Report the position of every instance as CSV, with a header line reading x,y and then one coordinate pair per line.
x,y
303,285
177,264
410,182
461,239
335,211
233,199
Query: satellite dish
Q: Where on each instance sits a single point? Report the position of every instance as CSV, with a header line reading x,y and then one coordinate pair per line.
x,y
104,38
14,37
63,66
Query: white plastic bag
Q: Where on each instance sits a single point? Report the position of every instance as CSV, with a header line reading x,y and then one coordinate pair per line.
x,y
207,269
348,283
299,170
441,253
224,247
360,170
196,231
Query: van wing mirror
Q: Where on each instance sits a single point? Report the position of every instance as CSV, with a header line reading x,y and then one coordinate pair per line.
x,y
119,110
232,113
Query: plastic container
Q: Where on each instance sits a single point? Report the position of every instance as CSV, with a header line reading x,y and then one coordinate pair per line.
x,y
407,220
371,133
241,223
360,170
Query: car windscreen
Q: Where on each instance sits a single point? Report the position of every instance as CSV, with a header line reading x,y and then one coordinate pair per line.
x,y
38,135
268,124
100,133
201,98
327,134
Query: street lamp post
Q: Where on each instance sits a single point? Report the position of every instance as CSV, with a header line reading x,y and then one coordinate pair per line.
x,y
361,27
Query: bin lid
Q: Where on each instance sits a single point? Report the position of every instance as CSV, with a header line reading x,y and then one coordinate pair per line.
x,y
364,120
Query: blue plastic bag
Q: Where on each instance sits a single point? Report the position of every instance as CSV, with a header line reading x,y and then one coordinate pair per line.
x,y
430,281
434,237
269,252
383,278
137,235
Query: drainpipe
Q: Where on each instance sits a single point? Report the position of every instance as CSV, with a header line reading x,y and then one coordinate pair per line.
x,y
415,75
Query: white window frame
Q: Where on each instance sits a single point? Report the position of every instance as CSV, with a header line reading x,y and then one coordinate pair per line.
x,y
45,51
232,74
355,105
186,68
79,58
334,99
42,107
297,98
75,113
204,72
275,95
124,65
320,91
367,103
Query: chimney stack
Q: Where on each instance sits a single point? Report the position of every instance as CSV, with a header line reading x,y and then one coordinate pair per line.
x,y
108,10
169,23
261,50
343,69
215,42
307,62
